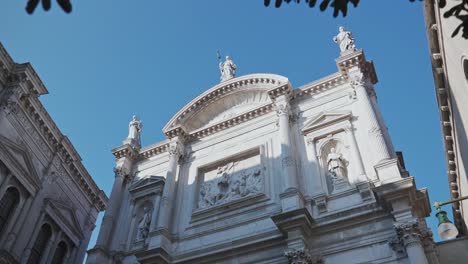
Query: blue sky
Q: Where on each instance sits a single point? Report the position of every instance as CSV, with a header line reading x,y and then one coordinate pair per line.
x,y
110,59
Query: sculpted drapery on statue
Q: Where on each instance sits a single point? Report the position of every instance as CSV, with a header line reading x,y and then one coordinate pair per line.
x,y
228,69
336,166
144,224
134,132
345,40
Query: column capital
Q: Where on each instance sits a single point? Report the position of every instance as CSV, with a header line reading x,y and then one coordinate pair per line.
x,y
176,147
409,234
282,108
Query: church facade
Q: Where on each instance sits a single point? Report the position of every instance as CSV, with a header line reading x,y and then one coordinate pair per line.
x,y
256,171
48,201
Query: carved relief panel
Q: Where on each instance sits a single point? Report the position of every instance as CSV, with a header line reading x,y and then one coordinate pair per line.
x,y
230,179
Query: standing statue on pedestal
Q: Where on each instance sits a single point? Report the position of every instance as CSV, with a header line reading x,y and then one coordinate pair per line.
x,y
345,40
227,68
144,224
337,169
134,132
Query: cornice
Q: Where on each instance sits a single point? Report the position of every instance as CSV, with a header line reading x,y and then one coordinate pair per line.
x,y
222,89
357,59
125,151
442,91
285,89
319,86
154,150
201,133
178,131
25,104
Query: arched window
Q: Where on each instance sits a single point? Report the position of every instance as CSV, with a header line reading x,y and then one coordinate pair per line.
x,y
60,253
8,205
40,245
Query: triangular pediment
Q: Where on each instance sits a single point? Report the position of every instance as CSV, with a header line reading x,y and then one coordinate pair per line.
x,y
146,182
64,213
324,119
19,161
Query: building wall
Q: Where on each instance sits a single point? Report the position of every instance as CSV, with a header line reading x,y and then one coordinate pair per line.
x,y
448,55
40,162
245,177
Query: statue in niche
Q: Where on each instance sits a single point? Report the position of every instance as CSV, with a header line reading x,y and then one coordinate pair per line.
x,y
144,224
336,168
345,40
134,132
227,68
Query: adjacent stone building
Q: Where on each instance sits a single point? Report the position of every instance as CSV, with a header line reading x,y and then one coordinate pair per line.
x,y
48,201
449,57
256,171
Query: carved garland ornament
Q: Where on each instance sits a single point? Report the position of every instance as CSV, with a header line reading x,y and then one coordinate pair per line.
x,y
302,256
230,185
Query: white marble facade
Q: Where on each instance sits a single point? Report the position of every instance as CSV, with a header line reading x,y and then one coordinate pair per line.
x,y
256,171
48,201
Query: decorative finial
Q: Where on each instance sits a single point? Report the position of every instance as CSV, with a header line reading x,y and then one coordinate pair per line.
x,y
134,133
227,68
345,41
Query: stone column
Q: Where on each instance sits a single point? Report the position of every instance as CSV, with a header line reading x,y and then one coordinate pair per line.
x,y
356,156
112,208
409,235
125,223
11,239
4,184
132,225
369,118
373,98
155,214
317,185
283,111
167,199
53,248
37,227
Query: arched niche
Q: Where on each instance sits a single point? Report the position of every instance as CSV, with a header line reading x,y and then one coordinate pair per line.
x,y
334,161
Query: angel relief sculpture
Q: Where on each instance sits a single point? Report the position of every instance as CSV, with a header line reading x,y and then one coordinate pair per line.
x,y
230,184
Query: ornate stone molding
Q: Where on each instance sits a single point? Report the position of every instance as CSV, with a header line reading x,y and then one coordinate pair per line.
x,y
302,256
125,151
321,203
31,115
283,108
175,149
409,234
288,161
154,150
232,122
258,81
319,86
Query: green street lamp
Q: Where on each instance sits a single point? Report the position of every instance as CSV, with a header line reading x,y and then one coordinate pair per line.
x,y
446,229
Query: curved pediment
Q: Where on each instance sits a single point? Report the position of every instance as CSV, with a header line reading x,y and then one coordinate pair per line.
x,y
226,100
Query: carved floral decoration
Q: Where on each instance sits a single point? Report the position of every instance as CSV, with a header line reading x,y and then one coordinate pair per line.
x,y
302,256
230,184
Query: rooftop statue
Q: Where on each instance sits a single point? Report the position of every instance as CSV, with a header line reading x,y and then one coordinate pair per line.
x,y
227,68
345,40
134,132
